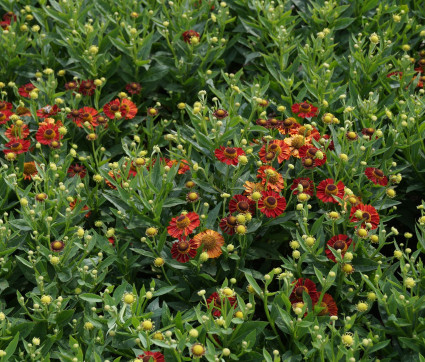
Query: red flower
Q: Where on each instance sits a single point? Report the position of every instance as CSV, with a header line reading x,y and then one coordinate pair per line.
x,y
111,108
149,356
368,215
368,132
17,132
5,106
71,85
17,146
399,74
269,175
133,88
300,286
327,189
5,116
271,204
313,153
77,169
338,242
306,183
189,34
128,109
228,224
304,110
276,149
48,133
217,303
85,207
229,155
183,165
288,125
87,87
48,111
241,204
328,304
26,89
183,225
85,114
184,250
376,176
111,240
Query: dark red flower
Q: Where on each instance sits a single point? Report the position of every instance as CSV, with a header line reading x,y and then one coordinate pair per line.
x,y
306,183
217,302
149,356
338,242
72,85
189,34
241,204
314,153
77,169
85,114
271,204
288,125
133,88
229,155
48,111
328,304
17,146
184,250
5,106
304,110
183,225
48,133
327,189
220,113
87,87
228,224
376,176
303,285
5,116
276,149
26,89
366,214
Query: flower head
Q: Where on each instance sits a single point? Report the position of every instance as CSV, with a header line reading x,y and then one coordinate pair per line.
x,y
376,176
184,250
211,242
149,356
328,304
303,285
216,301
271,204
365,214
229,155
304,110
327,189
183,225
338,242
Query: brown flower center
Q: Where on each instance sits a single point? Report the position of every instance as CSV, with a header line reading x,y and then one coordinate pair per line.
x,y
57,245
49,134
274,122
182,222
134,86
231,221
275,148
340,245
308,162
305,107
305,184
270,202
230,152
262,122
87,85
75,114
311,152
378,173
209,242
299,291
114,108
288,122
331,189
366,216
324,311
297,142
243,206
183,246
17,146
270,156
29,168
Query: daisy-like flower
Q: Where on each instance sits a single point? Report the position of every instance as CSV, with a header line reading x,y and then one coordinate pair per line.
x,y
220,113
72,85
295,142
328,304
211,242
251,187
5,116
15,131
128,109
317,155
306,183
133,88
288,125
183,165
86,114
85,207
184,250
327,189
48,111
23,111
149,356
17,146
229,155
262,122
76,169
304,110
217,302
273,123
46,134
271,204
29,170
338,242
189,34
26,89
241,204
5,106
303,285
368,132
365,214
57,246
228,224
111,108
269,175
376,176
276,149
183,225
87,87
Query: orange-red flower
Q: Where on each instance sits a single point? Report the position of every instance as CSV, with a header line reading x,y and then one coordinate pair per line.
x,y
86,114
217,302
313,153
87,87
229,155
128,109
306,183
15,131
30,170
211,242
271,177
183,225
376,176
251,187
338,242
48,111
5,116
183,250
76,169
326,190
241,204
17,146
288,125
26,89
48,133
277,149
368,215
183,165
328,304
303,285
295,142
189,34
304,110
271,204
149,356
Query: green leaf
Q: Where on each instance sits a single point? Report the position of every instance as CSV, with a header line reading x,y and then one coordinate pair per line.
x,y
92,298
11,347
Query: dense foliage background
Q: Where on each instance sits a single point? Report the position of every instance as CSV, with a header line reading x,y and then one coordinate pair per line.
x,y
208,180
